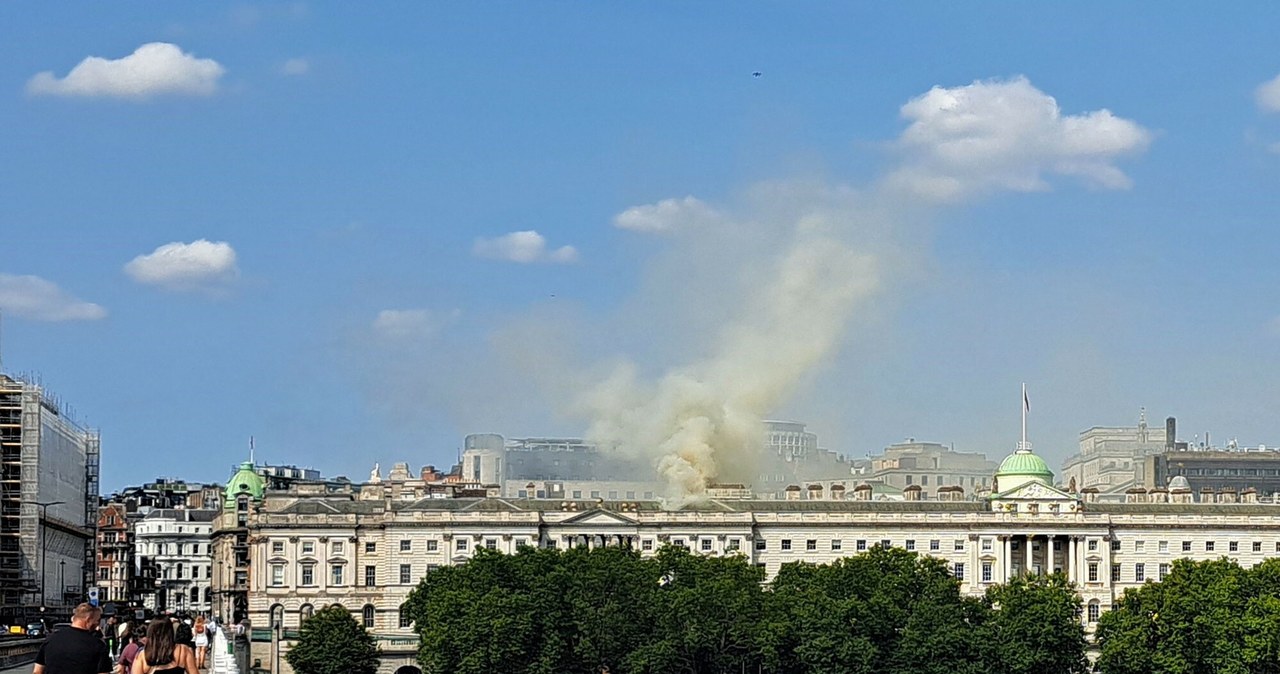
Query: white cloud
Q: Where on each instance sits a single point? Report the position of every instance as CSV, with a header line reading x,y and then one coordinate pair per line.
x,y
1007,135
1268,95
295,66
154,69
523,247
185,266
401,324
665,215
40,300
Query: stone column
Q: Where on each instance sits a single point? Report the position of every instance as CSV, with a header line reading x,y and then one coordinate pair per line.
x,y
1072,545
1006,562
1030,554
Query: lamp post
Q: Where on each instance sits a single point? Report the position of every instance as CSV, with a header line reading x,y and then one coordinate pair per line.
x,y
43,510
62,583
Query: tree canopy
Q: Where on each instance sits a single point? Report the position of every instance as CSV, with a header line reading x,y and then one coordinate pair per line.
x,y
333,642
1209,617
579,611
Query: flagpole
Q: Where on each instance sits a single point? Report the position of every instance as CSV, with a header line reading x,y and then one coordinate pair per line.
x,y
1023,444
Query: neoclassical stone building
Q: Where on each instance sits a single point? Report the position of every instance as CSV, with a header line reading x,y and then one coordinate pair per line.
x,y
366,546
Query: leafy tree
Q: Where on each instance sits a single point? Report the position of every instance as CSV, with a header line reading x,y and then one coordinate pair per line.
x,y
332,642
1034,627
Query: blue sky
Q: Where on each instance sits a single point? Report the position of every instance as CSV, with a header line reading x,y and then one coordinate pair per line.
x,y
337,182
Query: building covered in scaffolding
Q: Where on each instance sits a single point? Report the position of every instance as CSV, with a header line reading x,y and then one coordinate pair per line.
x,y
48,503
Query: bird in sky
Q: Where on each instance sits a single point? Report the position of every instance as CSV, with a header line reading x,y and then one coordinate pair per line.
x,y
756,73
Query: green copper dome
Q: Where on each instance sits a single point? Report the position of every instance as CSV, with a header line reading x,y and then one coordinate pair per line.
x,y
245,481
1023,463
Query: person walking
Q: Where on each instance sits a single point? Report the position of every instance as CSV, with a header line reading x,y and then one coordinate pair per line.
x,y
76,650
137,639
162,655
202,641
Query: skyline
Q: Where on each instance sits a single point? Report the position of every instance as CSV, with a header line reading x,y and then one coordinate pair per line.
x,y
360,237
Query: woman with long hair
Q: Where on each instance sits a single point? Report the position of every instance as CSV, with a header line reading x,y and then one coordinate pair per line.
x,y
202,641
162,655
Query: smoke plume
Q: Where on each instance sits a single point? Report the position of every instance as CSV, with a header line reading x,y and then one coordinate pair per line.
x,y
699,422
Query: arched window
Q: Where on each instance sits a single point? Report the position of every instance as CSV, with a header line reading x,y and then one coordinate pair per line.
x,y
367,615
277,617
306,611
1094,610
208,595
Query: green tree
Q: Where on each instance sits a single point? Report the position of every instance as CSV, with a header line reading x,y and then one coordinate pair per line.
x,y
332,642
1193,622
1034,627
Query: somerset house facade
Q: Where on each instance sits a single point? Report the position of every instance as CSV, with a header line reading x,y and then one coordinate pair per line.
x,y
366,546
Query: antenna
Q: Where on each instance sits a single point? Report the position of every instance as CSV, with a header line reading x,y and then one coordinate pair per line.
x,y
1,342
250,449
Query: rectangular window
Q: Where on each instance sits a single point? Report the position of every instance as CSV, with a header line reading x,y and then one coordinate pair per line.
x,y
462,545
1139,572
308,574
491,543
1257,546
986,572
836,544
935,545
646,544
339,547
406,574
1115,545
1115,573
761,545
1208,546
1093,572
404,620
1186,546
957,570
595,494
1092,545
1094,610
407,546
811,544
336,574
370,547
1233,546
577,493
861,545
277,547
1164,546
886,543
986,545
613,494
706,545
735,544
432,546
911,544
1139,546
959,545
370,576
308,548
786,544
1164,571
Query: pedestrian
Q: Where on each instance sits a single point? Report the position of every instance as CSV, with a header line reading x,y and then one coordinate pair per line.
x,y
109,633
243,632
161,654
182,634
137,639
202,641
75,650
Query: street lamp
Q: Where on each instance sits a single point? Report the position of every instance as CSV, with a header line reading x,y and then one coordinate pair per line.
x,y
62,569
43,510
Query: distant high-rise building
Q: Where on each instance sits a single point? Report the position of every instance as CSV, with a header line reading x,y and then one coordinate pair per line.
x,y
48,502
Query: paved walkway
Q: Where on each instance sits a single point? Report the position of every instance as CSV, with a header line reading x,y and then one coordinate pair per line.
x,y
23,669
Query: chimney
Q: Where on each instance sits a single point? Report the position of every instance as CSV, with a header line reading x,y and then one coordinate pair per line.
x,y
1170,433
815,492
1249,495
793,492
912,492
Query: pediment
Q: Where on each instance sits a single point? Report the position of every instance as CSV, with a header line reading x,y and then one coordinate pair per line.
x,y
599,518
1035,491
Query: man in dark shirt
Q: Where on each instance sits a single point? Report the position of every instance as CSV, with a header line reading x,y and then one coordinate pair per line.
x,y
75,650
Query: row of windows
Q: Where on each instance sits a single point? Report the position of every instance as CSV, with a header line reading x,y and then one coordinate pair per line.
x,y
1209,546
179,549
307,610
940,481
861,544
614,494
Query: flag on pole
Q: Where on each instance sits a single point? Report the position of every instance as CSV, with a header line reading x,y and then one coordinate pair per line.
x,y
1026,402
